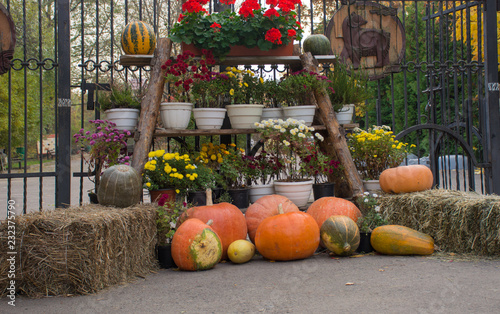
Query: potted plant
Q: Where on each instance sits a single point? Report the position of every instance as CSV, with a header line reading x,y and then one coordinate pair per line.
x,y
289,139
234,171
272,107
255,27
322,168
295,94
371,219
168,173
246,93
108,147
262,168
347,88
209,98
202,179
180,74
375,150
168,212
121,106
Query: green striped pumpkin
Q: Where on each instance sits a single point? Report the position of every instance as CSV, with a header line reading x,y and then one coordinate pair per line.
x,y
340,234
120,186
138,38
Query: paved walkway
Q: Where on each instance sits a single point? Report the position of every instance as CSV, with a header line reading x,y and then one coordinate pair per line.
x,y
321,284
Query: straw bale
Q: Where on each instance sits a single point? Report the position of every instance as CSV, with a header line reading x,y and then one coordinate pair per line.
x,y
461,222
80,250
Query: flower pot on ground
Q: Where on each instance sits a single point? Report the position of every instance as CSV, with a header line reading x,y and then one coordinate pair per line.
x,y
371,185
209,118
258,191
345,115
176,115
244,116
240,198
364,243
323,190
298,192
304,113
164,255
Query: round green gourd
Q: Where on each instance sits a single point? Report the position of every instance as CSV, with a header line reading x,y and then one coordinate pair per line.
x,y
340,234
138,38
317,44
120,186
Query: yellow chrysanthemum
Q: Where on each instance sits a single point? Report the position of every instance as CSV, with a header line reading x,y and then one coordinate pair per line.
x,y
151,154
148,184
231,92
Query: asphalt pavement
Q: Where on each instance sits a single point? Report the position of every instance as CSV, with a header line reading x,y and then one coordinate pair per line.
x,y
320,284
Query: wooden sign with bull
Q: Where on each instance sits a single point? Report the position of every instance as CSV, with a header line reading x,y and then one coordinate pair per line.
x,y
7,39
368,35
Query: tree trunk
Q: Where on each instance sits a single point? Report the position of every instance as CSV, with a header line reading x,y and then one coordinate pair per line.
x,y
336,134
150,105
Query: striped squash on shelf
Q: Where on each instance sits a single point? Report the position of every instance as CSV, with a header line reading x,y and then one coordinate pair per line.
x,y
138,38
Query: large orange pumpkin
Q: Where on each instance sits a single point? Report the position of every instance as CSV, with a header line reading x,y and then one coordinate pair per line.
x,y
286,237
325,207
228,221
405,179
264,207
196,246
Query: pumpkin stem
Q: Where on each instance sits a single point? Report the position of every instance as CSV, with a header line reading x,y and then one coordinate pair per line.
x,y
209,222
280,209
208,193
347,248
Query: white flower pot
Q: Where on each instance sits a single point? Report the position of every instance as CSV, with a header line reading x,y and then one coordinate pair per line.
x,y
272,113
209,118
298,192
244,116
175,115
344,116
372,185
124,118
257,191
305,113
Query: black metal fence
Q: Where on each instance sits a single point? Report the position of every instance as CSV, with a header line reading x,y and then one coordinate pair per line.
x,y
443,98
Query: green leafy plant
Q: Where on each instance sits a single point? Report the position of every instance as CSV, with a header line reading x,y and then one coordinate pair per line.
x,y
320,166
372,218
211,93
119,96
263,167
234,169
347,86
168,212
252,26
375,150
295,88
204,178
245,87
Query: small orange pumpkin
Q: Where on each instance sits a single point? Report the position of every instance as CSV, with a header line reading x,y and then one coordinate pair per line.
x,y
196,246
405,179
228,221
264,207
326,207
287,236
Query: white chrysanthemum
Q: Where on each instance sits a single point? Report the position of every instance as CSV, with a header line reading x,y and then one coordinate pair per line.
x,y
287,143
377,209
293,132
302,135
311,129
302,127
282,130
319,137
366,193
277,127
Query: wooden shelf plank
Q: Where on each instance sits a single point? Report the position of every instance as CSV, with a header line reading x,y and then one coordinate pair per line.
x,y
137,60
143,60
172,133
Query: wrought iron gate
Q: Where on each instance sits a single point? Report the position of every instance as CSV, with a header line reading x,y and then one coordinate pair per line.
x,y
444,99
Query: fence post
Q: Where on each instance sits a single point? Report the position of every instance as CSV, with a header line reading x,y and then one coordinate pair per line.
x,y
63,150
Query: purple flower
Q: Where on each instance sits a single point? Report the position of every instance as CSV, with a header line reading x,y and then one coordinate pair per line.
x,y
87,133
91,142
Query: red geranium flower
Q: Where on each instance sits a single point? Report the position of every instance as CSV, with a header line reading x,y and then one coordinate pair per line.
x,y
248,7
274,35
193,6
216,27
291,33
181,17
286,5
228,2
272,2
271,12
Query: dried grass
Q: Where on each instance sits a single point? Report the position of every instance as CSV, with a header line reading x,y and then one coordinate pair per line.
x,y
461,222
80,250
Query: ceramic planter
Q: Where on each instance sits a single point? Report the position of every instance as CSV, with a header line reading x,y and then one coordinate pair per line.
x,y
244,116
298,192
371,185
209,118
305,113
272,113
176,115
124,118
344,116
257,191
